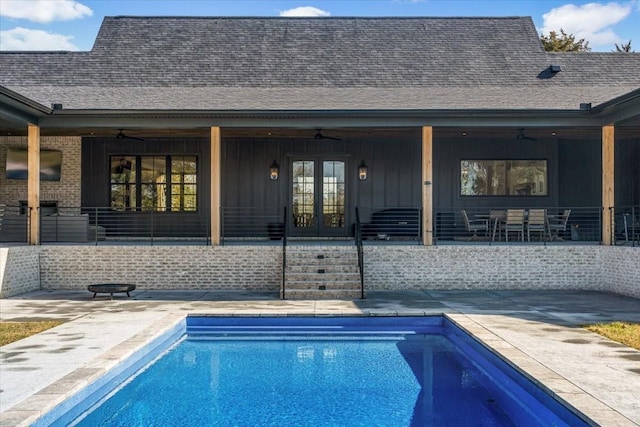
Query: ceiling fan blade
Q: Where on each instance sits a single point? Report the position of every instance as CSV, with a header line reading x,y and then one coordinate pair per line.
x,y
121,135
319,135
521,136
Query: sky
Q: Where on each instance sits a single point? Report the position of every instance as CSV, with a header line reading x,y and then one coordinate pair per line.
x,y
74,24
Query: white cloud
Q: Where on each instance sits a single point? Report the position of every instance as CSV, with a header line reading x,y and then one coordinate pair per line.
x,y
44,11
592,21
26,39
304,11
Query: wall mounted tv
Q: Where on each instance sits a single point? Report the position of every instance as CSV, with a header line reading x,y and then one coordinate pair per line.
x,y
50,164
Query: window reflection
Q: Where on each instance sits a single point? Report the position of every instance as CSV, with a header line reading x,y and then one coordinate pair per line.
x,y
333,200
159,183
503,178
303,194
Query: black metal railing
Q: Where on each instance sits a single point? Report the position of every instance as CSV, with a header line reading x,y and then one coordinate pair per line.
x,y
488,225
390,223
103,225
625,225
251,223
284,251
14,224
359,248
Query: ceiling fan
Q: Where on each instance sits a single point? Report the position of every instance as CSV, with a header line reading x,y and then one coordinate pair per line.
x,y
121,135
522,136
319,135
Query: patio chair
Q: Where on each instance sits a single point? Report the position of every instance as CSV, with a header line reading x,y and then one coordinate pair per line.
x,y
496,220
558,224
514,222
475,225
537,221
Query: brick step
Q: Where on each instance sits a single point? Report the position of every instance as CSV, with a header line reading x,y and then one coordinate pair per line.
x,y
309,255
322,273
314,284
352,278
322,269
302,266
313,260
327,294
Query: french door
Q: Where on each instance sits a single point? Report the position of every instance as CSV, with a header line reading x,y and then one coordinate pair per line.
x,y
318,197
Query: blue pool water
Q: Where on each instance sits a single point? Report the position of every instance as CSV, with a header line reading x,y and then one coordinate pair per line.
x,y
322,372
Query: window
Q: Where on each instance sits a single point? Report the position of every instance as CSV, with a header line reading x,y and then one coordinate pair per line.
x,y
154,183
503,178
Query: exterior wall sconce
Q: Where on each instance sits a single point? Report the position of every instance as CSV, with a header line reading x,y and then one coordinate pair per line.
x,y
274,171
363,171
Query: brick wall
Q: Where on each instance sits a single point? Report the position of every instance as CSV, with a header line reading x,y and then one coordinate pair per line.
x,y
19,270
598,268
621,270
486,267
66,191
163,267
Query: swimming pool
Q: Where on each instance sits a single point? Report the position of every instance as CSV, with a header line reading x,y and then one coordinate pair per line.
x,y
384,371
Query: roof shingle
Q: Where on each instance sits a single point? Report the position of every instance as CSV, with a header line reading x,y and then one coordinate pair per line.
x,y
175,63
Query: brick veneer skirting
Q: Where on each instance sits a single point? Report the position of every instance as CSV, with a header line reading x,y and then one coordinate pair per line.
x,y
598,268
19,270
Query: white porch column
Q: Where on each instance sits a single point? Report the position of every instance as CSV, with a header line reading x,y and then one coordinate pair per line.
x,y
608,178
215,185
33,183
427,187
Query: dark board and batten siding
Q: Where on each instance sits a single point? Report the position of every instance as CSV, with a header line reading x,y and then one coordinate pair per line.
x,y
96,175
394,170
394,163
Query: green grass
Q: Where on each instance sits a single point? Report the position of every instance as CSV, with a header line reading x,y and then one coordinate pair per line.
x,y
14,331
623,332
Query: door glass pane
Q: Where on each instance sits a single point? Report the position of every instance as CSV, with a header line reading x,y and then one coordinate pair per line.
x,y
153,178
303,194
123,182
333,200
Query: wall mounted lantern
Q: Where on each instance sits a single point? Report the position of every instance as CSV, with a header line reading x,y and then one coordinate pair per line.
x,y
363,171
274,171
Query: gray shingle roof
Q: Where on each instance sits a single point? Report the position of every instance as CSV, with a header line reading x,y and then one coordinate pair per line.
x,y
174,63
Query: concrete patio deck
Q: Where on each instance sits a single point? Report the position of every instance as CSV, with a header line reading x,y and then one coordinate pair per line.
x,y
537,331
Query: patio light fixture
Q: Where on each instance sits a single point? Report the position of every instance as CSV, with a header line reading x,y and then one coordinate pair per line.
x,y
363,171
274,171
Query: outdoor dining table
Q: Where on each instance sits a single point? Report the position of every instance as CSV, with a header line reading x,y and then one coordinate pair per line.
x,y
493,222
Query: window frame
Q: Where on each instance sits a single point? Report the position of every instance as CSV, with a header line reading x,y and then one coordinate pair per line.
x,y
169,185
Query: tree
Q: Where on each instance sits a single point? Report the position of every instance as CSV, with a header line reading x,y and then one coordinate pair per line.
x,y
563,42
623,47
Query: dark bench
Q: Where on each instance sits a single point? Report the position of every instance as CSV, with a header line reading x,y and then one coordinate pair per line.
x,y
110,288
393,222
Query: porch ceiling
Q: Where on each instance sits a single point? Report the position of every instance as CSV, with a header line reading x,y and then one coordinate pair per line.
x,y
623,132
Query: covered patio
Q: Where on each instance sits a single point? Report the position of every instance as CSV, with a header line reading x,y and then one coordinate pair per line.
x,y
494,123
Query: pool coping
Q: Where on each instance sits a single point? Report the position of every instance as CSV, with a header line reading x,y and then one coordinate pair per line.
x,y
588,407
